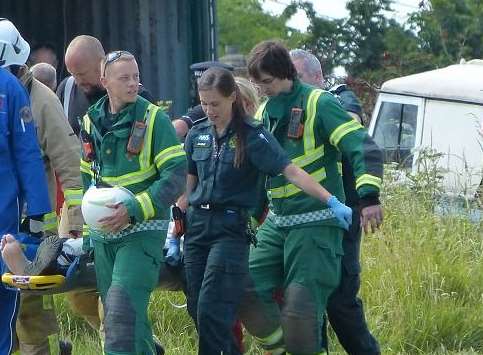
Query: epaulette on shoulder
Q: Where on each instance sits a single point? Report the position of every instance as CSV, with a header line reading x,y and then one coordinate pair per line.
x,y
199,122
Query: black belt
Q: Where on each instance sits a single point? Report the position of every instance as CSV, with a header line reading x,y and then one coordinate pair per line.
x,y
220,208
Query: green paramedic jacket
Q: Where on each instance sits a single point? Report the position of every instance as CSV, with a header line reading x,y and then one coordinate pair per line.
x,y
156,176
328,132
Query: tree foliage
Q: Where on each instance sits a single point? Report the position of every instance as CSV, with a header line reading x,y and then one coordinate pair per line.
x,y
371,47
325,38
365,30
244,23
449,29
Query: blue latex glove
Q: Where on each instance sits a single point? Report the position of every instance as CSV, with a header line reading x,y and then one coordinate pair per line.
x,y
341,212
173,255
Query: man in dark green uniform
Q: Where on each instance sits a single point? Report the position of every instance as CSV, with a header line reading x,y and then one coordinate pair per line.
x,y
300,243
130,143
344,309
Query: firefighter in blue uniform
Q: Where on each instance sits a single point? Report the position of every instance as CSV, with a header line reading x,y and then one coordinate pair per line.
x,y
23,180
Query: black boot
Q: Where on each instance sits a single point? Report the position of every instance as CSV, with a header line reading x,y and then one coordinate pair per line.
x,y
159,347
65,347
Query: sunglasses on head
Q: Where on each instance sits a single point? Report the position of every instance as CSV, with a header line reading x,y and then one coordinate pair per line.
x,y
112,57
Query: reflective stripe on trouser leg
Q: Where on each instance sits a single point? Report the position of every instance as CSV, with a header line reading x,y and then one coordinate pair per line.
x,y
53,344
273,342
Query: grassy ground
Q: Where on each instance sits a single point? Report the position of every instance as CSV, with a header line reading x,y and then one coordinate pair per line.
x,y
422,288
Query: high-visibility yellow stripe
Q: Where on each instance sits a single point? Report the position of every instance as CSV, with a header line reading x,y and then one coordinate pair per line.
x,y
272,339
310,157
290,189
73,197
146,205
343,130
339,167
47,302
368,179
85,167
309,134
311,153
167,154
131,178
145,155
259,114
50,221
85,230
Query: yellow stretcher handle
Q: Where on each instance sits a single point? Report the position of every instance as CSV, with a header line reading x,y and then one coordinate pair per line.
x,y
42,282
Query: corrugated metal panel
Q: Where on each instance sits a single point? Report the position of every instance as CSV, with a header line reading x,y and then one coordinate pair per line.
x,y
165,35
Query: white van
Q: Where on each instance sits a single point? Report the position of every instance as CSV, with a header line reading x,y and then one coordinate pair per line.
x,y
441,109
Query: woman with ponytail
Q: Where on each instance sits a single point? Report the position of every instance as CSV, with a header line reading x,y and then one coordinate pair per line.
x,y
227,152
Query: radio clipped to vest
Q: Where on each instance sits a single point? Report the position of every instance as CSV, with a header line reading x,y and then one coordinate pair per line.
x,y
136,138
295,125
88,151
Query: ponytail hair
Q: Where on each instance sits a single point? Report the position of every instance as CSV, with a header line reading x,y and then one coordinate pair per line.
x,y
222,80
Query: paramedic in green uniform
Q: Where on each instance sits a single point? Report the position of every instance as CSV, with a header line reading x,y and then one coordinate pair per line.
x,y
300,244
226,152
128,250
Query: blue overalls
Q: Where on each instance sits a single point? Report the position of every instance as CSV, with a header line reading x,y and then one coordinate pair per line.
x,y
22,179
216,244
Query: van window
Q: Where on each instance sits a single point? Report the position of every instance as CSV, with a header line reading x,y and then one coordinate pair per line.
x,y
395,132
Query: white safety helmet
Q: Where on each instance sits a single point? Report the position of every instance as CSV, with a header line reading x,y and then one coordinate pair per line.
x,y
14,50
95,200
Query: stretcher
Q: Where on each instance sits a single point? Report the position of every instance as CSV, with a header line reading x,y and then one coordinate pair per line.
x,y
79,272
84,278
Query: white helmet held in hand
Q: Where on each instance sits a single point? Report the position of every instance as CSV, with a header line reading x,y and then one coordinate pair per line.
x,y
95,200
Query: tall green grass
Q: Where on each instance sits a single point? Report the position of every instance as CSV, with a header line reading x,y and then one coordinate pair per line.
x,y
422,286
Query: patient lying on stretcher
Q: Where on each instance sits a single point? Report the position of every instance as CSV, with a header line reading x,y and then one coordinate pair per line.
x,y
30,256
26,255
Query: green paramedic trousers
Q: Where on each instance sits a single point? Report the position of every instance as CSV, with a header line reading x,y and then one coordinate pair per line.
x,y
127,271
302,264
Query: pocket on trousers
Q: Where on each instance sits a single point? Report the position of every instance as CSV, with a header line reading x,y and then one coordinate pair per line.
x,y
230,280
194,222
234,223
329,263
153,249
